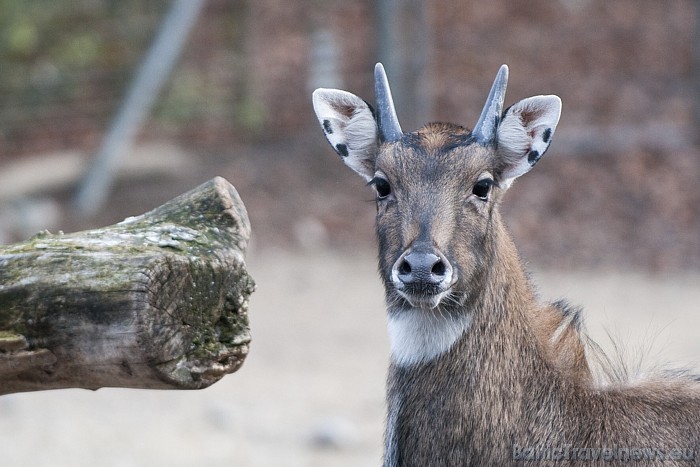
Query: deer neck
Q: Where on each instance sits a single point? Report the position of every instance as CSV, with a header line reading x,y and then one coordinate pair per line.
x,y
500,298
477,385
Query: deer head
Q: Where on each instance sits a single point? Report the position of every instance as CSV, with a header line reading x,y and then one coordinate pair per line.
x,y
437,188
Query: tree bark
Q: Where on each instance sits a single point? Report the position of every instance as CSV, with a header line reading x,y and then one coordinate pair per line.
x,y
156,301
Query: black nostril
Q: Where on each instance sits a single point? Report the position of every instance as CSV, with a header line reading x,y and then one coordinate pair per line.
x,y
404,268
439,268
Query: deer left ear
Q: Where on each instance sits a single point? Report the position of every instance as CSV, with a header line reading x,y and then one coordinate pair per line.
x,y
349,125
525,133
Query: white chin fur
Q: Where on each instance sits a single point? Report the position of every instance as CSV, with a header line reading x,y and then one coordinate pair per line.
x,y
418,335
424,304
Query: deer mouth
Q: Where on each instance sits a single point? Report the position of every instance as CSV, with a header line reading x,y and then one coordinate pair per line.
x,y
424,296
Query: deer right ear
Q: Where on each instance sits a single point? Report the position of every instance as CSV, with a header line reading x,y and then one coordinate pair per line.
x,y
349,125
524,134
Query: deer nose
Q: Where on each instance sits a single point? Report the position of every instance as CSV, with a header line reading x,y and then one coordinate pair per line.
x,y
422,270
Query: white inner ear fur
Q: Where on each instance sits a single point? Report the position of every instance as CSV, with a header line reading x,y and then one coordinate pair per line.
x,y
525,133
418,336
349,126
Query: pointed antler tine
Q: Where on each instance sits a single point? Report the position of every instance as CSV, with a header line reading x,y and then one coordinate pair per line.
x,y
484,131
389,128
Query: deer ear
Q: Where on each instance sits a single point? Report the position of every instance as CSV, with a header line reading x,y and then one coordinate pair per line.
x,y
525,133
349,125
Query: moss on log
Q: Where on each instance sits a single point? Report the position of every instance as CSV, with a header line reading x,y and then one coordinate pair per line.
x,y
156,301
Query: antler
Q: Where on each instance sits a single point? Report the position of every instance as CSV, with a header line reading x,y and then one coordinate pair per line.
x,y
389,128
484,131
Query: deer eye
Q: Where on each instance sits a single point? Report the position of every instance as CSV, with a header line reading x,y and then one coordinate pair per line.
x,y
482,188
382,186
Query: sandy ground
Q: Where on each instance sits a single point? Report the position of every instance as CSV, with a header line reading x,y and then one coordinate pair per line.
x,y
311,392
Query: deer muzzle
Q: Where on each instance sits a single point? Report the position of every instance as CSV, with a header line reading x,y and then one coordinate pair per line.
x,y
422,275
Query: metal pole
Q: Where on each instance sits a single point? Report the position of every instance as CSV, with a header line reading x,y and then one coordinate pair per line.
x,y
404,46
695,70
150,78
389,46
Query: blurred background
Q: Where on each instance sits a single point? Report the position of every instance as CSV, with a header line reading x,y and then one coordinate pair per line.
x,y
619,187
95,127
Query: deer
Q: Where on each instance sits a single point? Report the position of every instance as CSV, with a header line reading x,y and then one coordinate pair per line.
x,y
481,372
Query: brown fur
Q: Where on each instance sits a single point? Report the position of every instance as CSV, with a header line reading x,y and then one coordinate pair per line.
x,y
516,381
506,383
563,347
498,389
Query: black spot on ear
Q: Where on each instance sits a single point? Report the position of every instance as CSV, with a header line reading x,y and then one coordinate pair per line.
x,y
327,127
547,135
342,150
533,157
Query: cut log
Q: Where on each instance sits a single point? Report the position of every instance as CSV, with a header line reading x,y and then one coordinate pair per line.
x,y
156,301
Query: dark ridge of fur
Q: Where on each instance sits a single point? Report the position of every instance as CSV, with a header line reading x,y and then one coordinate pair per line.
x,y
575,354
558,328
569,310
